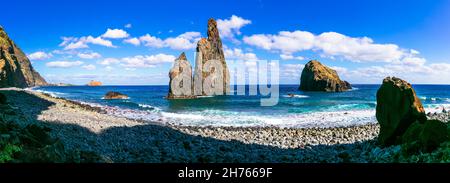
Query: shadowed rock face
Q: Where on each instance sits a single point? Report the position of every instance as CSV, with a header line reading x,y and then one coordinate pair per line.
x,y
180,84
15,68
397,108
318,77
208,49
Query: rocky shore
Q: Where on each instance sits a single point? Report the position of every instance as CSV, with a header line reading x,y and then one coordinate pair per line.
x,y
117,139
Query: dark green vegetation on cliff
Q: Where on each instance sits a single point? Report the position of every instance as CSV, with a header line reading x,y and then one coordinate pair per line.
x,y
15,68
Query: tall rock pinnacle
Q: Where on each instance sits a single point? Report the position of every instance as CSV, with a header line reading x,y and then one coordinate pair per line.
x,y
210,49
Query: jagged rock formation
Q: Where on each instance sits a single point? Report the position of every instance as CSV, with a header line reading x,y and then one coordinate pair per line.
x,y
210,49
15,68
115,95
397,108
318,77
94,83
180,85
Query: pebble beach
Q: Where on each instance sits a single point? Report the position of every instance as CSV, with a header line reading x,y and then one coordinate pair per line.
x,y
118,139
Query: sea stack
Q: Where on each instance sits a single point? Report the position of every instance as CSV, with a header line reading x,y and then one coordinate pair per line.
x,y
180,85
208,49
397,108
15,68
318,77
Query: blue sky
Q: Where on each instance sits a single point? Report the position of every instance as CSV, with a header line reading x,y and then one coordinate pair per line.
x,y
363,40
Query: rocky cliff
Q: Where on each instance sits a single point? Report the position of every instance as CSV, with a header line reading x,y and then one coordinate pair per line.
x,y
15,68
208,49
318,77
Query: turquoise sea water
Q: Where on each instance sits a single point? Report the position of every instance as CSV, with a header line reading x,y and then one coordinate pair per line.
x,y
305,109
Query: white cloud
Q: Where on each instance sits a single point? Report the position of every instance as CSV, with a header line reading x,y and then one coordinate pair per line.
x,y
115,34
109,61
291,70
63,64
134,41
228,28
286,42
40,55
71,43
183,41
128,26
89,67
328,44
291,57
146,60
109,68
89,55
151,41
238,54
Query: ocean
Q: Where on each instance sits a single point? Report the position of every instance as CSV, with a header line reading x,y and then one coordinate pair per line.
x,y
303,110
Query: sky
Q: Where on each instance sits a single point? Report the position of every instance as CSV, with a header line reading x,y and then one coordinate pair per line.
x,y
136,42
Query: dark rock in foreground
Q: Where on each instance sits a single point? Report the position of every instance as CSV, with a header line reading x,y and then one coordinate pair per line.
x,y
318,77
115,95
397,108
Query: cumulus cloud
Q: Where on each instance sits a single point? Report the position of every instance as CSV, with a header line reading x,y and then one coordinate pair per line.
x,y
91,55
134,41
115,34
128,26
228,28
291,70
183,41
238,54
291,57
71,43
88,67
109,61
40,55
331,44
63,64
139,61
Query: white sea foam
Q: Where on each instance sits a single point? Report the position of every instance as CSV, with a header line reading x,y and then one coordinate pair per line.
x,y
295,96
436,108
53,94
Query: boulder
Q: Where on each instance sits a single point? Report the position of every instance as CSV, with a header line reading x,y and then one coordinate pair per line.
x,y
115,95
318,77
15,68
397,108
180,85
208,49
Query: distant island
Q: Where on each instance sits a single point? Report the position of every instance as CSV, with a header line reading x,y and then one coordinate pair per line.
x,y
95,83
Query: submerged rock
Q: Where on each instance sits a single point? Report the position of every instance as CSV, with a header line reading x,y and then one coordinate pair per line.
x,y
211,49
15,68
115,95
180,84
318,77
397,108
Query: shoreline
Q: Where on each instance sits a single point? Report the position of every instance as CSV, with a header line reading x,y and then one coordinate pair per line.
x,y
118,139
